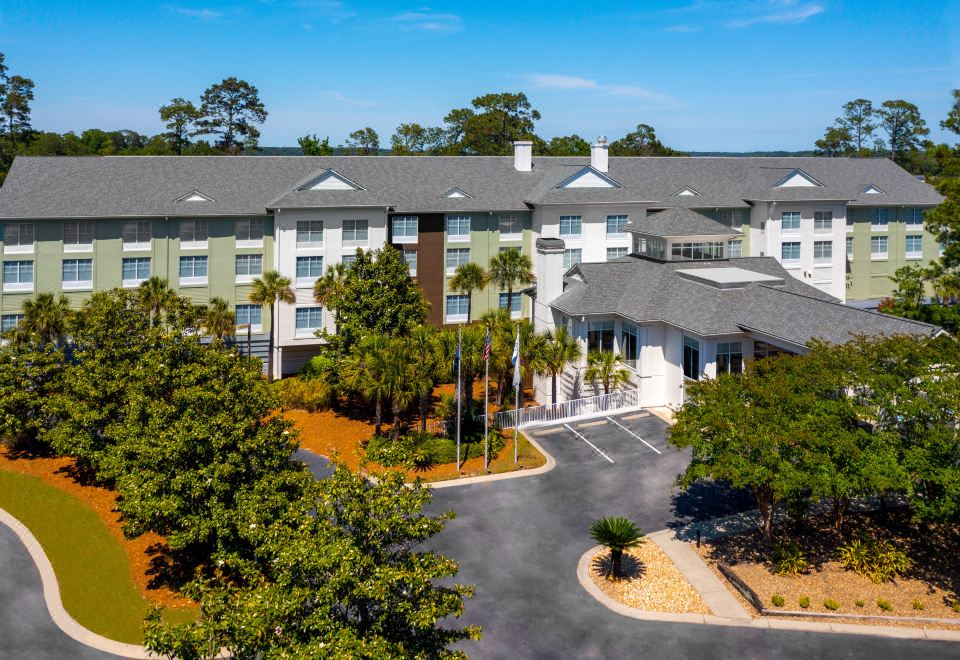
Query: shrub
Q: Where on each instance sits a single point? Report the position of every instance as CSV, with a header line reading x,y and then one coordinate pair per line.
x,y
299,394
778,600
421,450
859,602
319,366
831,604
878,560
804,602
918,604
955,607
884,604
789,558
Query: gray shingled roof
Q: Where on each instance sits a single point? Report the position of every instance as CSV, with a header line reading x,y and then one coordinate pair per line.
x,y
679,222
644,291
53,187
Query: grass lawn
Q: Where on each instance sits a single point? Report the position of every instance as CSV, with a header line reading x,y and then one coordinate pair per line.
x,y
91,565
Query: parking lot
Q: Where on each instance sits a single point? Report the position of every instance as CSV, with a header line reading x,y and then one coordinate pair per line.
x,y
629,437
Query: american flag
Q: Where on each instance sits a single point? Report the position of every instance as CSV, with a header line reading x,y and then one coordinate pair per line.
x,y
486,346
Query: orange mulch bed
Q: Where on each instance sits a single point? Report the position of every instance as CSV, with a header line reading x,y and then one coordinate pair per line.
x,y
141,551
340,434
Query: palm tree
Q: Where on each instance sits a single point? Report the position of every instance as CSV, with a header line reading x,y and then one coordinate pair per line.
x,y
946,286
468,277
422,345
327,289
509,269
46,317
369,372
607,367
561,349
219,321
268,289
471,359
618,534
155,293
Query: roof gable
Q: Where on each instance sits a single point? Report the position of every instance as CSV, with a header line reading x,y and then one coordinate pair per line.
x,y
194,196
687,191
798,179
588,177
330,180
456,193
873,190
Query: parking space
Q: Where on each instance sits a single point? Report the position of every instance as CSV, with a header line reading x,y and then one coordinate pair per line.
x,y
610,439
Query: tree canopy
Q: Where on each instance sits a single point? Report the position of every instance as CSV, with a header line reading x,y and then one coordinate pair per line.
x,y
230,110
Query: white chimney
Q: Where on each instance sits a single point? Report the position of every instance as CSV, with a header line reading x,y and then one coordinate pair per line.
x,y
523,155
599,159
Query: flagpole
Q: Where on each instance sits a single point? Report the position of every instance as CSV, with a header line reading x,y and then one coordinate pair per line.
x,y
516,386
486,403
459,360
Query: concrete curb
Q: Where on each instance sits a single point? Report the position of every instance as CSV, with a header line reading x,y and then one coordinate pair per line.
x,y
583,576
51,595
516,474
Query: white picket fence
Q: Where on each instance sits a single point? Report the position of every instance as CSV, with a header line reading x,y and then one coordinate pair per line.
x,y
549,413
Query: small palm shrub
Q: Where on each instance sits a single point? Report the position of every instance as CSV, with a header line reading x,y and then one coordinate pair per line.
x,y
878,560
789,558
884,604
778,600
918,604
804,602
831,604
859,602
618,534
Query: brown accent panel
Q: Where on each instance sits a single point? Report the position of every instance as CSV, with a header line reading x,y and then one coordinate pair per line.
x,y
431,261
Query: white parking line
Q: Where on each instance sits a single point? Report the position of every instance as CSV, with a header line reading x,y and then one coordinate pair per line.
x,y
597,449
633,434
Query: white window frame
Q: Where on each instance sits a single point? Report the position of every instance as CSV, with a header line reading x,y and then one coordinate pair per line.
x,y
849,247
307,331
307,282
16,317
730,245
253,327
617,234
193,243
915,254
244,228
352,227
913,218
793,261
19,286
81,228
460,317
246,278
621,252
451,270
194,280
568,256
822,259
794,215
876,255
879,219
309,227
512,221
570,221
517,301
458,220
19,247
404,222
849,220
412,267
78,283
822,222
140,228
135,282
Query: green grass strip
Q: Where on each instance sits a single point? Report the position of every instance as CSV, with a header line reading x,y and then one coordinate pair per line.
x,y
90,563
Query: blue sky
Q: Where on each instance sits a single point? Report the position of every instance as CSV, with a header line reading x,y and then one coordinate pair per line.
x,y
709,75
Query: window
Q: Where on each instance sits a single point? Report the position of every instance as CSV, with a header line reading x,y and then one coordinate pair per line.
x,y
616,253
251,315
248,267
405,229
249,232
309,233
135,270
18,237
458,227
822,251
18,276
457,257
193,270
729,357
458,308
914,247
697,251
762,349
355,233
822,222
913,217
849,247
790,222
410,257
790,252
308,270
571,258
77,236
9,321
77,273
879,219
728,217
630,345
193,234
615,224
514,305
849,222
691,358
348,259
511,227
734,249
600,335
571,226
136,235
309,320
878,247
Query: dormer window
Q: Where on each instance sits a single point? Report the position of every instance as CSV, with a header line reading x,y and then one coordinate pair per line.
x,y
798,179
686,191
589,177
873,190
456,193
330,180
194,196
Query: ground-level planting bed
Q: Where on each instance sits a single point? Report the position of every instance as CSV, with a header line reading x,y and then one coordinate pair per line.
x,y
91,564
928,589
650,582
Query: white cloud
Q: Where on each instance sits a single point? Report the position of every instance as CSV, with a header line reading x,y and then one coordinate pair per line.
x,y
343,99
777,12
558,81
427,20
203,14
